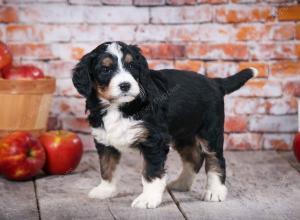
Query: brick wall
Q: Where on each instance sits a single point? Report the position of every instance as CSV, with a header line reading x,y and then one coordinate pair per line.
x,y
212,37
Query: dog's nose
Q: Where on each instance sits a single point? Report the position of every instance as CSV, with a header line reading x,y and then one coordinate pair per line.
x,y
125,86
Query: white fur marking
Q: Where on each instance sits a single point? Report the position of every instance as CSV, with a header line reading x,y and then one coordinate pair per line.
x,y
118,131
121,76
151,196
185,179
255,71
215,191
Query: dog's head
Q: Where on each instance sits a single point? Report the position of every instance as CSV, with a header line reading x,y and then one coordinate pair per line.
x,y
115,70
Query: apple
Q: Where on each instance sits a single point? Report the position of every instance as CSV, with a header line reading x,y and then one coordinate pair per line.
x,y
296,146
63,151
22,72
5,56
21,156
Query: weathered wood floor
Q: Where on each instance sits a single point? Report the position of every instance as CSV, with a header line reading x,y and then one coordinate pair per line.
x,y
262,185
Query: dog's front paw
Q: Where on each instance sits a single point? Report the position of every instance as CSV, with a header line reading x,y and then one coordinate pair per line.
x,y
215,194
147,200
103,191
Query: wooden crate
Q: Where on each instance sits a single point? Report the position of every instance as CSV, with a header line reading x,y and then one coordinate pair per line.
x,y
25,104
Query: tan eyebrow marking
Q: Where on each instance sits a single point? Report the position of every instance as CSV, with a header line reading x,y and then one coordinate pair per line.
x,y
128,58
107,61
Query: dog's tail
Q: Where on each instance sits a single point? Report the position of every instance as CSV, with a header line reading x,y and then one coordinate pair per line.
x,y
232,83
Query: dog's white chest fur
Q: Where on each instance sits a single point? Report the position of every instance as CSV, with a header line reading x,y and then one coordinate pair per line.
x,y
118,131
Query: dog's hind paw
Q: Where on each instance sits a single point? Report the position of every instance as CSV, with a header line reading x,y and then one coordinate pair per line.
x,y
216,194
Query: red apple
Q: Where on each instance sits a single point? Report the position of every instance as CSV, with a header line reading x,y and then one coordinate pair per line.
x,y
22,72
296,146
63,149
21,156
5,56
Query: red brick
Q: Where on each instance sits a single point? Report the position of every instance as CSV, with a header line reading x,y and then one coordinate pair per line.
x,y
243,141
292,88
181,2
285,69
217,51
283,31
298,31
260,88
271,123
148,2
160,64
220,69
235,123
192,65
30,50
163,51
252,32
243,13
278,141
261,67
289,13
184,14
8,14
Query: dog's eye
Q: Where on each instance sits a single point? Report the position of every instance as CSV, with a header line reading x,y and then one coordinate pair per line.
x,y
106,69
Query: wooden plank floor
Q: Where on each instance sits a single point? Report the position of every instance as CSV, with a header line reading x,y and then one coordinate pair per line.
x,y
262,185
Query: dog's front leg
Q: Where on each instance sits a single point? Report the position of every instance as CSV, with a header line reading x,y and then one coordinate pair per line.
x,y
153,177
109,159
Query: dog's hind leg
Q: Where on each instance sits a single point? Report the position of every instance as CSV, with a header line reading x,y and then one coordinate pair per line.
x,y
192,160
215,189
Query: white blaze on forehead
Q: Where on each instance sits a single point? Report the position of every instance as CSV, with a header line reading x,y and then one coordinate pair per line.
x,y
115,49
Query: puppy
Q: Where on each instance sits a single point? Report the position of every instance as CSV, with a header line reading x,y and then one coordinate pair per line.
x,y
132,106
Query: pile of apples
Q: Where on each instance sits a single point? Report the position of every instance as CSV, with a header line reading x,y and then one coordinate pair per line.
x,y
8,71
23,156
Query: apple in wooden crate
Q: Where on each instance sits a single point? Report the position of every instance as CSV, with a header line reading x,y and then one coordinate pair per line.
x,y
5,56
21,156
23,72
63,151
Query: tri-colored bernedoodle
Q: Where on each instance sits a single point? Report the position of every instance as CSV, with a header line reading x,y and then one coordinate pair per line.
x,y
132,106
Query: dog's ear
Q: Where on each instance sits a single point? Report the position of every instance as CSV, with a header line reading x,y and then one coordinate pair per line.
x,y
82,76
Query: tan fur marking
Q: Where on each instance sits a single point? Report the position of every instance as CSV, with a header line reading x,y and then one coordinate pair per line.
x,y
128,58
107,62
108,164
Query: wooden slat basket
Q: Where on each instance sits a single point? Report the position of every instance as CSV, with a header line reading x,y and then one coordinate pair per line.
x,y
25,104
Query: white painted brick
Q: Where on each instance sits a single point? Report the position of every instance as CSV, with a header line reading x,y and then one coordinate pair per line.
x,y
271,123
184,14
